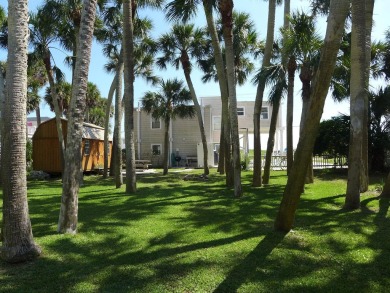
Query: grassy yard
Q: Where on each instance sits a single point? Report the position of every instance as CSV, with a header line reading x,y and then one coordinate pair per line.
x,y
192,236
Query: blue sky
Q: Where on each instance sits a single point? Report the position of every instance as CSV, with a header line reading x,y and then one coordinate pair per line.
x,y
258,11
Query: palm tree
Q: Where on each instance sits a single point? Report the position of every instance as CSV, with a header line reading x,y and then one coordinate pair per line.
x,y
256,181
358,93
184,10
245,46
67,222
364,176
170,102
17,239
179,46
276,77
305,57
296,179
42,35
226,10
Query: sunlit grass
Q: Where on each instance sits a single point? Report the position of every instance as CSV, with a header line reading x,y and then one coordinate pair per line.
x,y
193,236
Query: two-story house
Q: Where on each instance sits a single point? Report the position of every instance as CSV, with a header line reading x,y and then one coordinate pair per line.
x,y
184,134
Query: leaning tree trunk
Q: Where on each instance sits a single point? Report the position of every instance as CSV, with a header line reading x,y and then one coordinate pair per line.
x,y
271,140
224,155
291,68
117,129
166,147
186,67
292,192
226,8
107,123
129,8
17,238
57,109
67,222
256,181
358,97
305,76
364,176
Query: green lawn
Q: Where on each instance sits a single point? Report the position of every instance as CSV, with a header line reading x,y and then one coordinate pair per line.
x,y
192,236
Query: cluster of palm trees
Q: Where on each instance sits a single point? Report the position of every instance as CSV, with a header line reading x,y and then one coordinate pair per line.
x,y
222,50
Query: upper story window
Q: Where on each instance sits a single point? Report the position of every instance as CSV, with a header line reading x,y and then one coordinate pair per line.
x,y
156,123
240,111
216,122
264,113
86,147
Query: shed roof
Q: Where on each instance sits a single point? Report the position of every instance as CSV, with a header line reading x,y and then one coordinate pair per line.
x,y
90,131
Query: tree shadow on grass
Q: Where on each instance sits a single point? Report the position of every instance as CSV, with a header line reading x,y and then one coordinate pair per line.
x,y
247,268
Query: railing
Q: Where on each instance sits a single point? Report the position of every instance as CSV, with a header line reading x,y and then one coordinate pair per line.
x,y
279,162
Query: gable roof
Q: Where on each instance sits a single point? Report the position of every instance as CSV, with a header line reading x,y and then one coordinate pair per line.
x,y
90,131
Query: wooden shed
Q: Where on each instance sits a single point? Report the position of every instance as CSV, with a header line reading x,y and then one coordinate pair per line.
x,y
46,150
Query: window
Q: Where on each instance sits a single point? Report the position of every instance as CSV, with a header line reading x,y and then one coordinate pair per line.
x,y
156,123
156,149
86,147
216,122
240,111
264,113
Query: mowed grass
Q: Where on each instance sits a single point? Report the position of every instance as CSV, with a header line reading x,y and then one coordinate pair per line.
x,y
193,236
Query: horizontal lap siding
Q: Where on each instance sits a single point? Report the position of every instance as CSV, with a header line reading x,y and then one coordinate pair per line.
x,y
148,136
186,136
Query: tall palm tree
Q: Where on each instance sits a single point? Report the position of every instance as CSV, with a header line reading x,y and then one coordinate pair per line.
x,y
226,10
184,10
67,222
296,179
256,180
276,77
358,93
17,239
305,58
170,102
364,176
42,35
179,46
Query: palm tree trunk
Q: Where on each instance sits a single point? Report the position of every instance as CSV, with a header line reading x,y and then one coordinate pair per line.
x,y
107,123
358,98
185,63
305,76
292,192
224,155
226,8
17,238
364,177
129,8
57,108
292,66
67,222
38,114
2,124
117,129
256,181
271,140
166,147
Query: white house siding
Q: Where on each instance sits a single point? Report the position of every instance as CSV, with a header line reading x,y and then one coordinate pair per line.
x,y
185,136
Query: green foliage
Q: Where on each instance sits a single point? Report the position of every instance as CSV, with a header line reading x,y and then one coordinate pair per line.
x,y
333,137
193,236
29,150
